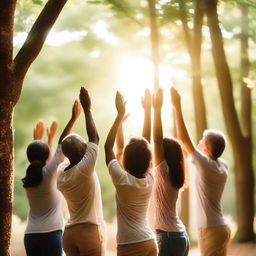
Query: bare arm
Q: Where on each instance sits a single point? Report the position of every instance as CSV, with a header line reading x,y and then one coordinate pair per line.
x,y
89,122
75,114
157,128
182,132
146,104
120,140
109,144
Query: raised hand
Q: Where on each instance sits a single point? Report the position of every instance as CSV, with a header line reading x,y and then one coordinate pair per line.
x,y
85,99
120,104
76,110
175,96
158,99
146,100
38,131
51,131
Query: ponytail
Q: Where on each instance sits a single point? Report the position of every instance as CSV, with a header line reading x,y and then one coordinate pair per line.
x,y
37,153
34,175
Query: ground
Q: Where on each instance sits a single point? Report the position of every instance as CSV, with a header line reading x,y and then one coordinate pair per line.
x,y
246,249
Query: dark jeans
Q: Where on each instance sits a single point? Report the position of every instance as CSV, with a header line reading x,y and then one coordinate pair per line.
x,y
44,244
172,243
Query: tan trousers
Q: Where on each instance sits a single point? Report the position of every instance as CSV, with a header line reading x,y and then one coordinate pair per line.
x,y
83,239
145,248
213,241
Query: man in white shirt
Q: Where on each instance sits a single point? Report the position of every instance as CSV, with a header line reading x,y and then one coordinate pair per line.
x,y
211,176
78,182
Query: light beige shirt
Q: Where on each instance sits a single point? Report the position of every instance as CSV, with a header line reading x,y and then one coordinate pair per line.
x,y
132,198
45,214
164,201
210,181
81,189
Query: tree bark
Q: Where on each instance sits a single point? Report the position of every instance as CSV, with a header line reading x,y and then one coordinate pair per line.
x,y
6,174
154,41
241,144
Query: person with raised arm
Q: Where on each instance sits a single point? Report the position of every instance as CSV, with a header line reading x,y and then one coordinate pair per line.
x,y
169,173
133,182
79,184
43,233
211,176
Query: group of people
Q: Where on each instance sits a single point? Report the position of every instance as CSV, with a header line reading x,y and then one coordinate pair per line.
x,y
139,182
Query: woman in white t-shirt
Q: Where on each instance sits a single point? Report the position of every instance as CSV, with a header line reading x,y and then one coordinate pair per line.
x,y
169,178
43,234
133,182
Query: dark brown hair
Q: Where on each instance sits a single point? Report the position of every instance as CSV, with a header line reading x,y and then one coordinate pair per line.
x,y
137,157
216,141
175,160
37,153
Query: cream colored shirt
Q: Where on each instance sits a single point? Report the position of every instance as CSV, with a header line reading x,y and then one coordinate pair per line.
x,y
210,181
45,214
132,198
81,189
164,201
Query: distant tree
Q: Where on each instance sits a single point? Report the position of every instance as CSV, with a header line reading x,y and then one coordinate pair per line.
x,y
240,135
12,73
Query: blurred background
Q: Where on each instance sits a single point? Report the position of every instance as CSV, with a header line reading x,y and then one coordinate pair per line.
x,y
105,46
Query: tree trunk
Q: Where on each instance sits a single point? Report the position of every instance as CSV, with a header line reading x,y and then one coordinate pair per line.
x,y
154,41
198,96
6,174
193,44
241,144
244,180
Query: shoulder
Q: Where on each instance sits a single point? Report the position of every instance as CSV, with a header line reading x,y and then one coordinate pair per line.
x,y
163,166
91,146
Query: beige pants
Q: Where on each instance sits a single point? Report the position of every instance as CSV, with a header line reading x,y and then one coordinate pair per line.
x,y
145,248
83,239
213,241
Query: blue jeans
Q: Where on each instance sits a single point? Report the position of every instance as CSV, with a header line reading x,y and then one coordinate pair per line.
x,y
172,243
44,244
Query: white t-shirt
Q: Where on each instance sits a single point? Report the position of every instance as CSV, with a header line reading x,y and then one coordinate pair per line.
x,y
81,189
45,214
210,181
132,198
164,201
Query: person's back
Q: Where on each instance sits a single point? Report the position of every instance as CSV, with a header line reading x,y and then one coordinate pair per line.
x,y
169,175
81,189
132,198
78,182
43,234
211,175
210,181
133,182
45,212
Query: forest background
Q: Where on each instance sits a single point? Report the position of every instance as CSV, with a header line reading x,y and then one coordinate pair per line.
x,y
106,47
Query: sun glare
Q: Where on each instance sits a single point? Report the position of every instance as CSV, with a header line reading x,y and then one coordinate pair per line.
x,y
136,74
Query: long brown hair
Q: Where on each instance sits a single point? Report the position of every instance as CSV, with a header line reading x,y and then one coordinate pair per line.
x,y
175,161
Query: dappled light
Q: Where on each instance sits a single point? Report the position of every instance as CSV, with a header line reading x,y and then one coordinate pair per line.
x,y
206,52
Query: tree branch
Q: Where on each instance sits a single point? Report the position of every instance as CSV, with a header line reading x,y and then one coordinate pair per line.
x,y
36,37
